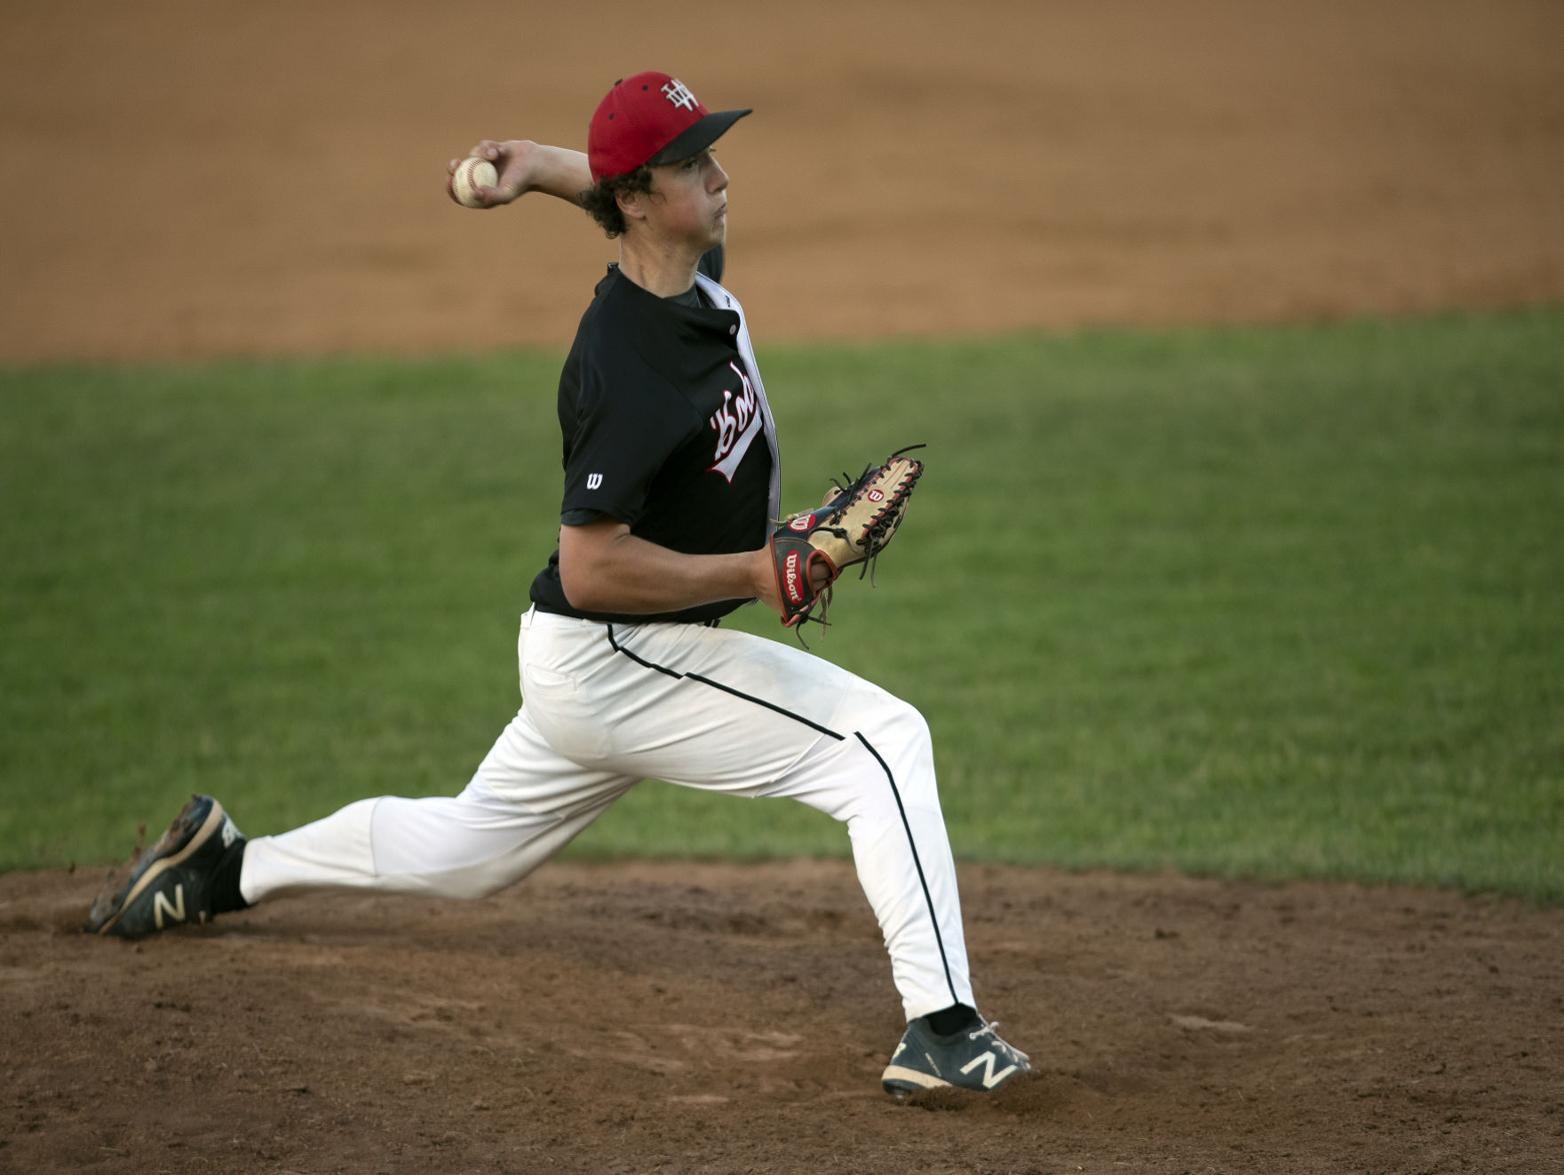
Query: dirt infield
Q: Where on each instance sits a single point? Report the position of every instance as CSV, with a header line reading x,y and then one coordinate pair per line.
x,y
709,1018
182,180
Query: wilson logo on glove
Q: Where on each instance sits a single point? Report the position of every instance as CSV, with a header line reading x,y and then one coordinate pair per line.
x,y
792,577
852,528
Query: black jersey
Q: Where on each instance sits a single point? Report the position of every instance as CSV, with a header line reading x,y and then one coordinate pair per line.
x,y
666,429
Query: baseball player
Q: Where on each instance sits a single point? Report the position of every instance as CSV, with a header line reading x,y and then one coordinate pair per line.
x,y
670,490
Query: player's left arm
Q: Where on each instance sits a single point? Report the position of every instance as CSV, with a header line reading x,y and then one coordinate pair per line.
x,y
605,568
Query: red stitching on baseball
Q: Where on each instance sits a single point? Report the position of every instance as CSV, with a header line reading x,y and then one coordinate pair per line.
x,y
464,171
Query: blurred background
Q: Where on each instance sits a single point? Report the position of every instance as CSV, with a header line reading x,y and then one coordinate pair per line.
x,y
1237,332
183,178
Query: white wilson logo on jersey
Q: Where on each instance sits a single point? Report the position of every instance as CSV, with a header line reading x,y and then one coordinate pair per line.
x,y
162,907
736,424
594,480
990,1078
678,93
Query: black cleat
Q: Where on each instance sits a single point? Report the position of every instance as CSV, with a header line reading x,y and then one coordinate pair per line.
x,y
171,883
971,1059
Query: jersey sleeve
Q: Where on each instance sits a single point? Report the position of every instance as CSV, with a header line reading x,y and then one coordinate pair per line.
x,y
628,421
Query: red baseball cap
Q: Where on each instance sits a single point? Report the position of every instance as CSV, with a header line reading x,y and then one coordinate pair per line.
x,y
651,118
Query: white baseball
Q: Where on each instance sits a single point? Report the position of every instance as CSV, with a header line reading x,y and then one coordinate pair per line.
x,y
471,174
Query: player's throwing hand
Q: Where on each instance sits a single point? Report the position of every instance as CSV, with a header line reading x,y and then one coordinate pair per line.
x,y
525,166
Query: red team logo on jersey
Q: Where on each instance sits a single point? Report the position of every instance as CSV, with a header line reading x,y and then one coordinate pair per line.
x,y
735,423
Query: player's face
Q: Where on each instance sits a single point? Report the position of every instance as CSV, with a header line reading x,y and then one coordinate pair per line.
x,y
689,202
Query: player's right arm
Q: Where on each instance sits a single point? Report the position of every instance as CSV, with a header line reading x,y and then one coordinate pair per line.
x,y
525,166
605,568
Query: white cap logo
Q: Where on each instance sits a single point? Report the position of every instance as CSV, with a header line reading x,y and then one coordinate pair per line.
x,y
678,93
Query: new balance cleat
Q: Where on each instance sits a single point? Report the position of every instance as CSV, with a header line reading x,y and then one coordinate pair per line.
x,y
974,1059
171,884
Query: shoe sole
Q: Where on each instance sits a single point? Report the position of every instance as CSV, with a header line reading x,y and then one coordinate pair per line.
x,y
903,1078
214,821
912,1077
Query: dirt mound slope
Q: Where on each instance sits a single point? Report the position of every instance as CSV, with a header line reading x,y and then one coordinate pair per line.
x,y
677,1017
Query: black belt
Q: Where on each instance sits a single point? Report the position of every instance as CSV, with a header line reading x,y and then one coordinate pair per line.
x,y
713,623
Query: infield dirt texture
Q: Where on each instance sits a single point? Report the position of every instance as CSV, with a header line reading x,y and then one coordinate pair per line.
x,y
185,180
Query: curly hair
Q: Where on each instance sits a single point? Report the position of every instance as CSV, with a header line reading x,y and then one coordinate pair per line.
x,y
601,203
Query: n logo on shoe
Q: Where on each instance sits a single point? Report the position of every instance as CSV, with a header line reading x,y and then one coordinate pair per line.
x,y
174,909
990,1078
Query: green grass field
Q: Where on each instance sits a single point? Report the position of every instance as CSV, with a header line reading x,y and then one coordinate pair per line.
x,y
1271,602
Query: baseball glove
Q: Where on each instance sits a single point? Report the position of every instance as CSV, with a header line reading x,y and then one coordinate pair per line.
x,y
811,549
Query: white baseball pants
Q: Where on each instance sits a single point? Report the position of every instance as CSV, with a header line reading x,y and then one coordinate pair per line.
x,y
606,706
